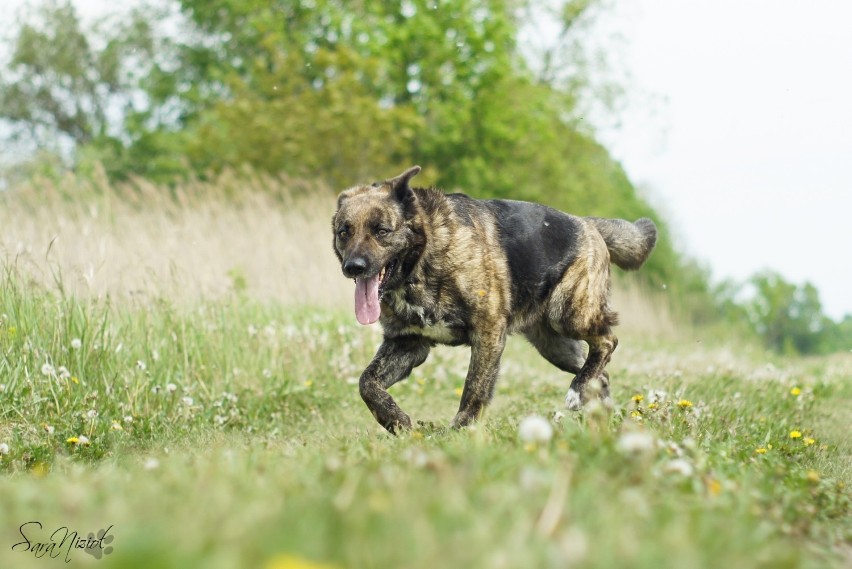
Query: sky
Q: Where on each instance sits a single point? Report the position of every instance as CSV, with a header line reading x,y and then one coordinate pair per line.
x,y
738,127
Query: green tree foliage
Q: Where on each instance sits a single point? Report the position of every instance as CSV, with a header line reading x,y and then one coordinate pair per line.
x,y
789,317
69,87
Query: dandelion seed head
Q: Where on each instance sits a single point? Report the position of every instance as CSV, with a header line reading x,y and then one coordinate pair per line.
x,y
76,344
678,466
636,442
535,429
171,388
151,464
48,369
4,448
187,401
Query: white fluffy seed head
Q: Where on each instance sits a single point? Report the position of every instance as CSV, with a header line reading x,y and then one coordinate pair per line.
x,y
535,429
636,442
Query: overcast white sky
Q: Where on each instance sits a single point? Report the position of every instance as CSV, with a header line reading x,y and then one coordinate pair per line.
x,y
751,152
739,124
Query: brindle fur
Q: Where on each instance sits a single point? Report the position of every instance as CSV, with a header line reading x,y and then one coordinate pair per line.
x,y
474,271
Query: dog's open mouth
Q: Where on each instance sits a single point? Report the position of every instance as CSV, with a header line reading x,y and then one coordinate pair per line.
x,y
368,294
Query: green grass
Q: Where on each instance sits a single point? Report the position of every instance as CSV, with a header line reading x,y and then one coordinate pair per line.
x,y
230,433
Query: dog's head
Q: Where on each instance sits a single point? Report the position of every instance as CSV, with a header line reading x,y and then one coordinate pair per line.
x,y
371,235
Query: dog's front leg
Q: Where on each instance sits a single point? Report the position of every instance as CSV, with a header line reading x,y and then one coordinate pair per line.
x,y
392,363
485,353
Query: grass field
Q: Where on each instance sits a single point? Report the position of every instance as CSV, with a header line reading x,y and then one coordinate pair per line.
x,y
184,373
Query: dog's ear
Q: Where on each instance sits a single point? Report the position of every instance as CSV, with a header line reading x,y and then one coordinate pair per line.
x,y
399,185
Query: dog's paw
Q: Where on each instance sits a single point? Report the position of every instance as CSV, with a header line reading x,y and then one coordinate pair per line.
x,y
573,401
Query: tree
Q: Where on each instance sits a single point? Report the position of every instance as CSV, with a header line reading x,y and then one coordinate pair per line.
x,y
788,317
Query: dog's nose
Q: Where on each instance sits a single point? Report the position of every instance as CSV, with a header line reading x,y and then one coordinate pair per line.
x,y
355,267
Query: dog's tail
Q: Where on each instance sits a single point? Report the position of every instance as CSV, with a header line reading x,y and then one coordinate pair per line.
x,y
629,244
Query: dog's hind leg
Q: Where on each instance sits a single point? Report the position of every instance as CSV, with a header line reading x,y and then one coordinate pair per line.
x,y
565,353
600,350
392,363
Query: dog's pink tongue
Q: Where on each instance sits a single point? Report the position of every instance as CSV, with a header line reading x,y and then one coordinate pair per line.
x,y
367,308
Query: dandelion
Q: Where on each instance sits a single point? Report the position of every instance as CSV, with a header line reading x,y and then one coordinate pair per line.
x,y
48,369
4,448
2,387
653,406
128,419
151,464
684,403
795,392
83,440
760,450
457,391
47,428
74,380
535,429
714,487
678,466
636,415
267,373
252,330
91,414
795,434
812,476
187,401
116,426
637,398
171,388
76,344
140,365
308,383
808,441
72,440
657,396
639,442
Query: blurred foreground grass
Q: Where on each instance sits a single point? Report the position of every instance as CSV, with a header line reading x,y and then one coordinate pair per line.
x,y
229,433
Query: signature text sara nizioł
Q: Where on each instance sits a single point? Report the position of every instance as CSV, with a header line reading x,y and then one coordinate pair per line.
x,y
61,540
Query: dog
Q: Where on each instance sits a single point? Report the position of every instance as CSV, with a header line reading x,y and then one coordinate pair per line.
x,y
438,268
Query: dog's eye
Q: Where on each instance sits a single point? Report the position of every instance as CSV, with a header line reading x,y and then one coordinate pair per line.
x,y
343,233
382,232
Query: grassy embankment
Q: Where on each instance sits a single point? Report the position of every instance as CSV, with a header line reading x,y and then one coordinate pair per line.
x,y
186,371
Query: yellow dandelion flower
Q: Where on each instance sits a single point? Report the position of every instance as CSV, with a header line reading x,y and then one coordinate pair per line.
x,y
458,391
809,441
684,403
308,383
75,380
638,398
795,434
116,426
12,331
714,487
813,476
760,450
72,440
636,415
653,406
291,562
769,446
795,392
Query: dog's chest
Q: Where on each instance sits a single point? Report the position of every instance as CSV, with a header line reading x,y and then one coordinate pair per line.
x,y
413,316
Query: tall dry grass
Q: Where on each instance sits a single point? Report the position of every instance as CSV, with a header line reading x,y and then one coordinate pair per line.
x,y
265,236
